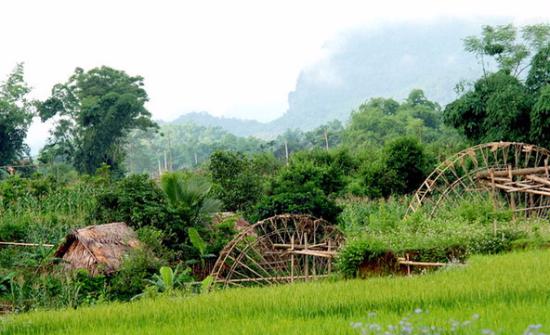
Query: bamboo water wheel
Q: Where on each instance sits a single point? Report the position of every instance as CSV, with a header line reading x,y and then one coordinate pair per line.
x,y
281,249
510,172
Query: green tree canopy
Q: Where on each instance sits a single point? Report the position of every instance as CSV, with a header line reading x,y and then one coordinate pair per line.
x,y
540,118
503,45
496,109
380,120
235,180
16,113
402,167
500,106
539,74
96,110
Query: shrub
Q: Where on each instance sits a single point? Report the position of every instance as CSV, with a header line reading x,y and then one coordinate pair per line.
x,y
136,200
129,281
302,188
401,169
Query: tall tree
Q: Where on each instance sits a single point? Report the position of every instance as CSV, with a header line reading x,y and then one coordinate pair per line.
x,y
539,74
96,110
496,109
540,118
503,45
16,113
500,106
236,183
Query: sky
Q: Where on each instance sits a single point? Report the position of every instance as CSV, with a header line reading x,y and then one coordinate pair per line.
x,y
231,58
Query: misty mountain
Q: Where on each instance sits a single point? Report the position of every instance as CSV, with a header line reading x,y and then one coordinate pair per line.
x,y
232,125
361,64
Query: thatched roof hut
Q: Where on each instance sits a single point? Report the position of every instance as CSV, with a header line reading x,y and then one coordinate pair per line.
x,y
98,249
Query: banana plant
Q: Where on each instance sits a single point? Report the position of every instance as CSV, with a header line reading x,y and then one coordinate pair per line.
x,y
167,279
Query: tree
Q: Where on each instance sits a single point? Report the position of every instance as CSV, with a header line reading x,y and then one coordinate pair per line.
x,y
96,110
16,113
302,188
501,43
540,119
380,120
236,183
497,109
539,74
500,106
401,169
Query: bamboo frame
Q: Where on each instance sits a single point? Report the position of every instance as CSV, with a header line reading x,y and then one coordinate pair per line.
x,y
516,172
280,249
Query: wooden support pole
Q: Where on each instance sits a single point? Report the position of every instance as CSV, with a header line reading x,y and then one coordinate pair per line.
x,y
515,172
306,265
292,259
512,195
329,266
21,244
405,261
538,179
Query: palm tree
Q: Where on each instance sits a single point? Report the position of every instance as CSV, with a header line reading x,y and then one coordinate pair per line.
x,y
190,194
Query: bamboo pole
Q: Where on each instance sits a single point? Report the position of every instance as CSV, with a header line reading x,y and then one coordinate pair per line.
x,y
529,191
538,179
306,266
27,244
267,279
512,195
329,265
404,261
324,254
515,172
292,259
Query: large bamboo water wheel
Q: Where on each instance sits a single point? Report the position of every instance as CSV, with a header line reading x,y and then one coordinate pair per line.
x,y
514,173
281,249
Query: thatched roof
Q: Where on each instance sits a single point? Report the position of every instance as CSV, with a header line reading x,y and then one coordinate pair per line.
x,y
98,249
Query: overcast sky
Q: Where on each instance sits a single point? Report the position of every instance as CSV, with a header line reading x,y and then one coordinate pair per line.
x,y
233,58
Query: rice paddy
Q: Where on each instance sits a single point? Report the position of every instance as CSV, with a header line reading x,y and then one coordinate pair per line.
x,y
502,294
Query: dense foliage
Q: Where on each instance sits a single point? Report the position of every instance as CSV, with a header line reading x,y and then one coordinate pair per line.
x,y
501,106
96,109
15,116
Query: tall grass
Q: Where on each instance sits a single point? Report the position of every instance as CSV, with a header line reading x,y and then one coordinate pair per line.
x,y
509,292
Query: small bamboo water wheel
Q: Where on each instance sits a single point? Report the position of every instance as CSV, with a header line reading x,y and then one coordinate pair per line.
x,y
281,249
513,173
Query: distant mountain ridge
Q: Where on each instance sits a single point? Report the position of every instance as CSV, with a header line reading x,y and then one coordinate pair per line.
x,y
362,64
232,125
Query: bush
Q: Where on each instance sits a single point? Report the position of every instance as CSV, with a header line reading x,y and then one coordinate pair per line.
x,y
401,169
136,200
356,252
129,281
302,188
305,201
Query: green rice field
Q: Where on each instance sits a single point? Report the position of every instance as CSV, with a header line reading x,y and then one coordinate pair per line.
x,y
502,294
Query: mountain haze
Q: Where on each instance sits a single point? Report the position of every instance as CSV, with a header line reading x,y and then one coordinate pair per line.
x,y
361,64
